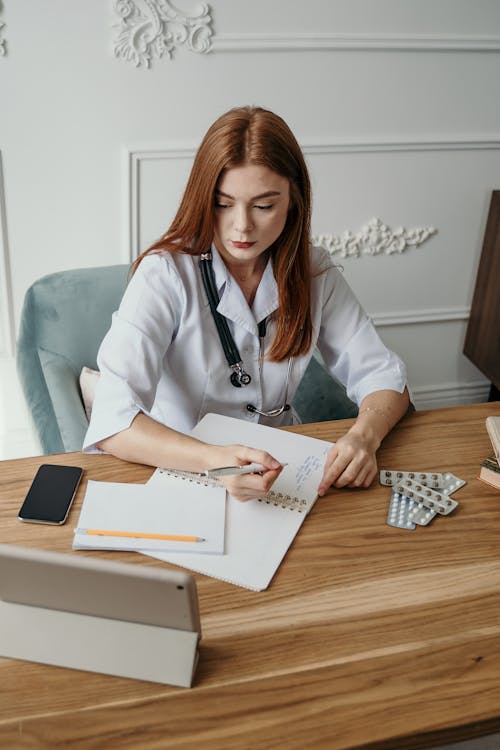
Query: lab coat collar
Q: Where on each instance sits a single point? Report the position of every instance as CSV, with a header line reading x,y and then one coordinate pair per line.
x,y
220,270
233,304
266,300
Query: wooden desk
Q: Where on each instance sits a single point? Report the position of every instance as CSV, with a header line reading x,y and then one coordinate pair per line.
x,y
369,636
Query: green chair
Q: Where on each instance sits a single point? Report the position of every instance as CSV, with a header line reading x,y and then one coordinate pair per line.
x,y
320,398
64,318
63,321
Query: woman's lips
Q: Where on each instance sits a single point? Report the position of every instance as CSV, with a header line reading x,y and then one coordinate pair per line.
x,y
242,245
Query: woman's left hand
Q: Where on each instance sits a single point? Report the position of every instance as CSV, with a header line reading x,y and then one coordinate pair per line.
x,y
351,462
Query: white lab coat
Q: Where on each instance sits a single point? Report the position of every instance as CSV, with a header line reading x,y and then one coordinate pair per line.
x,y
162,355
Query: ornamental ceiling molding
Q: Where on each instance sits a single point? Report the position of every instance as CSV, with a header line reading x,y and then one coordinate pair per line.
x,y
152,29
374,238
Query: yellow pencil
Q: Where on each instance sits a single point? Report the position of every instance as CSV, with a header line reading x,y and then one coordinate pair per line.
x,y
140,535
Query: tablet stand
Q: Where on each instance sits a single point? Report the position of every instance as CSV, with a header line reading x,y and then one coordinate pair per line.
x,y
98,644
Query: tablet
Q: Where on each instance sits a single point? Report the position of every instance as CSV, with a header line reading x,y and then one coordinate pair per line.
x,y
98,615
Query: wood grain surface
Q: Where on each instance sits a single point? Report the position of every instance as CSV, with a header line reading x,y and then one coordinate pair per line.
x,y
368,636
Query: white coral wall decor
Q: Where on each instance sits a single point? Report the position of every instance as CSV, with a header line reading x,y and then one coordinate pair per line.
x,y
150,29
375,238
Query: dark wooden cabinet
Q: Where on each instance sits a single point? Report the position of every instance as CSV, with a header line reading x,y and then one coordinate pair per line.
x,y
482,340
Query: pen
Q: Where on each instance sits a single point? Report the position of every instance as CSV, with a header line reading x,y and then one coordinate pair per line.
x,y
225,471
140,535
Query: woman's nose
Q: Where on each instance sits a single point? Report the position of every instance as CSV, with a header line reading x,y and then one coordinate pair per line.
x,y
242,220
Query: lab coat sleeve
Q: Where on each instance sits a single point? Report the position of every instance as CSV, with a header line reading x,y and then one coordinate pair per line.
x,y
350,345
131,354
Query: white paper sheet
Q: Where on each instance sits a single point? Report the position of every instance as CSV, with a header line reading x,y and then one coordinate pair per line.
x,y
174,507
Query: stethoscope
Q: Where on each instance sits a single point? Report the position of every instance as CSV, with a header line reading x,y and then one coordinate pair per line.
x,y
239,377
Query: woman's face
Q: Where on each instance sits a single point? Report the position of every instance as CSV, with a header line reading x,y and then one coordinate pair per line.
x,y
251,207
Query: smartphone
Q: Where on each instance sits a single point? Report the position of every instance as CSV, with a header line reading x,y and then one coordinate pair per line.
x,y
51,493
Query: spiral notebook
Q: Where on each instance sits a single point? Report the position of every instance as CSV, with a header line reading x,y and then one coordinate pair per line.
x,y
258,532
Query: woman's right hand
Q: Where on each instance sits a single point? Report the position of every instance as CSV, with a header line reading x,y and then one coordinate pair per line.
x,y
245,486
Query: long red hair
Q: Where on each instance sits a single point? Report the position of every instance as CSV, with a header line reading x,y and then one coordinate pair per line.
x,y
252,135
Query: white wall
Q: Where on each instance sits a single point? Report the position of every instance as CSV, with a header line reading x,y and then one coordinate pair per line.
x,y
396,102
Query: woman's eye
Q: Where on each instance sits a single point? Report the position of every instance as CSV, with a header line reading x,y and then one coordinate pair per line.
x,y
260,207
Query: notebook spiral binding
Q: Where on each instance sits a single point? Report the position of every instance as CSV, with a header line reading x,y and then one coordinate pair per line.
x,y
191,476
277,499
284,501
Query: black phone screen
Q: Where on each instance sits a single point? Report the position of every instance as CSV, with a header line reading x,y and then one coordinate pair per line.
x,y
51,494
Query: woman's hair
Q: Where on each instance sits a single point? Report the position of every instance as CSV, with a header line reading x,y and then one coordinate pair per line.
x,y
252,135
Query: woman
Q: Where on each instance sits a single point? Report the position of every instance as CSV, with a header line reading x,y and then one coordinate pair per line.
x,y
237,257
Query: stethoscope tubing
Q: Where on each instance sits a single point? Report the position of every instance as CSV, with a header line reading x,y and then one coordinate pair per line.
x,y
230,349
238,377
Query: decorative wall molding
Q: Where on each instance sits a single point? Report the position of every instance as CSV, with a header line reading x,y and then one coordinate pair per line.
x,y
151,29
317,41
311,146
135,155
407,145
374,238
450,394
7,334
3,49
420,317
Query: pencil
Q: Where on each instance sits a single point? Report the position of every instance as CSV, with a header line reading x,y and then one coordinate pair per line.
x,y
141,535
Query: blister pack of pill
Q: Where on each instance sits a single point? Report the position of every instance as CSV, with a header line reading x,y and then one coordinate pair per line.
x,y
399,511
418,497
432,499
446,483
